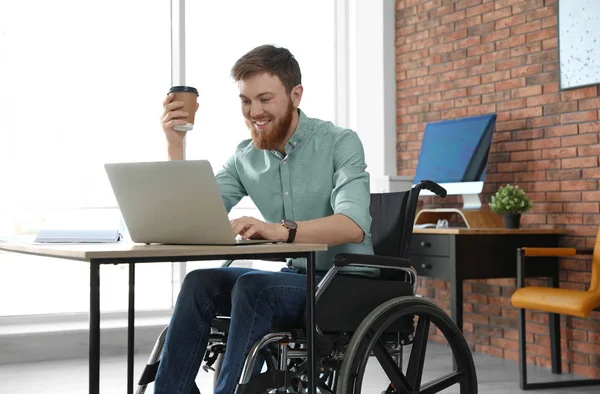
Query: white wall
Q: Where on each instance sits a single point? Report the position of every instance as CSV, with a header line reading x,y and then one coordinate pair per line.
x,y
366,84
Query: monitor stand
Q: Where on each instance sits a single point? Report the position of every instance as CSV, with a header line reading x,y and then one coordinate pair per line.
x,y
472,213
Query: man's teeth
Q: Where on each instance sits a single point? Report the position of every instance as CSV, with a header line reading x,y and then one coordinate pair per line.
x,y
261,123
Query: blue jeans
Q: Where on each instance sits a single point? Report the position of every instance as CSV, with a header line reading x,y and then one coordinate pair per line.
x,y
254,299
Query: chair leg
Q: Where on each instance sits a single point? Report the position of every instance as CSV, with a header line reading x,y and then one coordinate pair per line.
x,y
555,342
522,350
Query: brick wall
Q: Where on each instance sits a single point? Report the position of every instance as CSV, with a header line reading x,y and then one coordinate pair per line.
x,y
470,57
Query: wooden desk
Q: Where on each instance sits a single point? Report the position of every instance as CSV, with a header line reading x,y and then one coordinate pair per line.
x,y
459,254
127,253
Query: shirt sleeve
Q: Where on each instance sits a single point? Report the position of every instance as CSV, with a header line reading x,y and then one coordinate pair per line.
x,y
230,186
351,191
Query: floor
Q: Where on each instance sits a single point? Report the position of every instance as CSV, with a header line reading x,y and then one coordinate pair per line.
x,y
495,376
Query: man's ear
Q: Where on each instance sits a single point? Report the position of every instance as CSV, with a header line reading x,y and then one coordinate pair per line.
x,y
296,95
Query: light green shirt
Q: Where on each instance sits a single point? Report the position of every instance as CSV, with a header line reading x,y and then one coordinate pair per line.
x,y
323,173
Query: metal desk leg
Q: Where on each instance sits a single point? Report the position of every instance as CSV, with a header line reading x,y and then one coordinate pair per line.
x,y
94,361
310,330
130,328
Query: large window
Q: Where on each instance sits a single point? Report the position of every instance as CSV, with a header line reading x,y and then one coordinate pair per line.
x,y
81,84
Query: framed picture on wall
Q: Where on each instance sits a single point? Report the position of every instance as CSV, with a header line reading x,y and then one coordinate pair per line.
x,y
578,43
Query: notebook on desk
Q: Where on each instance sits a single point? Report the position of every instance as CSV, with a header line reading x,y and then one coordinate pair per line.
x,y
172,202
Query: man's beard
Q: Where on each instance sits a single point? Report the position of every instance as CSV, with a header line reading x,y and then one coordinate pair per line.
x,y
273,139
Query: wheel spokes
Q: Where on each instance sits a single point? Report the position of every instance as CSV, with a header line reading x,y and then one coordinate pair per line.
x,y
414,371
437,385
391,369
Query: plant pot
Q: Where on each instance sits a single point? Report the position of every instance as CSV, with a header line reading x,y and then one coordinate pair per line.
x,y
512,220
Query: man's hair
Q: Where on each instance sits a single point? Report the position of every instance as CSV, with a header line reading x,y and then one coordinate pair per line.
x,y
272,60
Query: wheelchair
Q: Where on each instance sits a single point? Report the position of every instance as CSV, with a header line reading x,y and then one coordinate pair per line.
x,y
357,318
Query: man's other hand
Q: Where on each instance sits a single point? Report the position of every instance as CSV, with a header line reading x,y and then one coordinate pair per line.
x,y
251,228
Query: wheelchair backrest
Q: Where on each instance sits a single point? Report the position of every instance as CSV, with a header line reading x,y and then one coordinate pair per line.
x,y
388,213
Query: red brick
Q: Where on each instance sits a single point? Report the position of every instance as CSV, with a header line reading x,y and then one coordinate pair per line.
x,y
468,62
495,56
580,162
463,102
563,175
468,22
481,49
541,34
539,165
510,21
550,21
581,93
544,121
550,43
543,99
559,153
526,28
526,113
589,127
510,84
575,117
589,103
544,143
524,156
526,49
479,10
527,91
590,196
563,196
469,81
590,150
511,63
511,125
454,93
580,185
584,139
495,15
561,107
581,207
496,76
460,4
482,69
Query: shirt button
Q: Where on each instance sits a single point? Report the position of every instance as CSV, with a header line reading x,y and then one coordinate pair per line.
x,y
286,193
295,142
283,162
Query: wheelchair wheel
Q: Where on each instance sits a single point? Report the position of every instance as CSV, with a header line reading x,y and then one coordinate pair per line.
x,y
367,340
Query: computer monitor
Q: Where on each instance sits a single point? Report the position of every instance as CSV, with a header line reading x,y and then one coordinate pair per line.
x,y
454,154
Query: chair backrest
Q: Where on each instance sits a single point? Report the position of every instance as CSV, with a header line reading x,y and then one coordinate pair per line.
x,y
595,280
388,211
393,216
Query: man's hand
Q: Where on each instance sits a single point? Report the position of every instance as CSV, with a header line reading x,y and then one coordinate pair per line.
x,y
252,228
174,116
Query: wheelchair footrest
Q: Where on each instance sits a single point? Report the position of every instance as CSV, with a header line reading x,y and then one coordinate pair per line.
x,y
265,381
149,374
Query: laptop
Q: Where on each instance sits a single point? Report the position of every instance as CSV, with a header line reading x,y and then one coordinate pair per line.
x,y
172,202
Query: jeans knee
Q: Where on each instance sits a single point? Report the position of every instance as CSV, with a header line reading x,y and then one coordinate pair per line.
x,y
198,282
250,286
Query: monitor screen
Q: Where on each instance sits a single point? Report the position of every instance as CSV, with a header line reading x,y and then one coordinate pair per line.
x,y
456,150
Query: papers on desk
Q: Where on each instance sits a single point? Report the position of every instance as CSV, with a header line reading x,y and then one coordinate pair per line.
x,y
77,236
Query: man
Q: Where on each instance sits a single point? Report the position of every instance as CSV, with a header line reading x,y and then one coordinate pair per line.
x,y
307,177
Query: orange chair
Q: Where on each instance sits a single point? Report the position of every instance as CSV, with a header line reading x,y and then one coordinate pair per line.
x,y
556,301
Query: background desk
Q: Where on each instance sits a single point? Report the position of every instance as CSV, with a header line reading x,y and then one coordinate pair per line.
x,y
458,254
126,253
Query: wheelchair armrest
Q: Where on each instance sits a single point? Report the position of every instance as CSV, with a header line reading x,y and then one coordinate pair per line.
x,y
554,251
366,260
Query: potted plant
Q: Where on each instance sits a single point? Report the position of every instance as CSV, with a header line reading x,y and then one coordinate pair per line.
x,y
510,201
